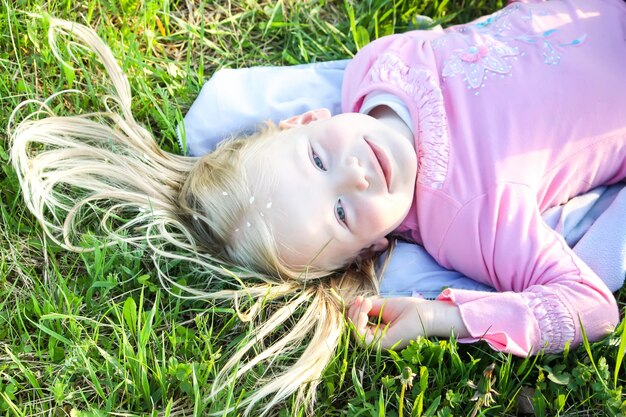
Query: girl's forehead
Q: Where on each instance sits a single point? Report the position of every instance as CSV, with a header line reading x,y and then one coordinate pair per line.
x,y
290,133
277,146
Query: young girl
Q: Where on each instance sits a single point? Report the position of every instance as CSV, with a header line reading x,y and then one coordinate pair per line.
x,y
457,141
452,150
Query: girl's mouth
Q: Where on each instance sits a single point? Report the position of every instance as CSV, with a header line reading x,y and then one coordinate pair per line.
x,y
382,163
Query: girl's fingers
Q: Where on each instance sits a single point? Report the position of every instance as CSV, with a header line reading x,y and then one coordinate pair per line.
x,y
368,338
376,305
365,307
375,333
354,308
361,323
386,309
359,313
360,316
380,320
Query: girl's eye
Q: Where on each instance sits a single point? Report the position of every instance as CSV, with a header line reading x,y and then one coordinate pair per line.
x,y
341,213
317,161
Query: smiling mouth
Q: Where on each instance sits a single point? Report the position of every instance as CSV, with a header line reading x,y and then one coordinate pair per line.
x,y
382,162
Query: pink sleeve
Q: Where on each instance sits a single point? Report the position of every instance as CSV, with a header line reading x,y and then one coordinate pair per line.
x,y
545,290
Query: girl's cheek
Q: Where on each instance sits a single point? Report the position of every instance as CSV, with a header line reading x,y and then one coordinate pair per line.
x,y
377,214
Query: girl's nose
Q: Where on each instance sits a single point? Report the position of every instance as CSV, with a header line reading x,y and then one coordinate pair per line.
x,y
354,175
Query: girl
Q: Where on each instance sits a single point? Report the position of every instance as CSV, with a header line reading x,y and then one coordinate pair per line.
x,y
488,162
443,144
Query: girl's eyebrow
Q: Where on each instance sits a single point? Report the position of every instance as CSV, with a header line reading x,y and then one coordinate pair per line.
x,y
308,148
330,223
300,154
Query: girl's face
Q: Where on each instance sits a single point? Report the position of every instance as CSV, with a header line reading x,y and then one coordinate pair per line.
x,y
340,185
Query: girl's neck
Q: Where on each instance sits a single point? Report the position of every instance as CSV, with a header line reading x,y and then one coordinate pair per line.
x,y
389,117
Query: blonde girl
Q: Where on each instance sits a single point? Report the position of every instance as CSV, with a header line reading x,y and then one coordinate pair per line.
x,y
431,150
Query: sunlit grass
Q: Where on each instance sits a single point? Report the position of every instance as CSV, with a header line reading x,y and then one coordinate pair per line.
x,y
94,334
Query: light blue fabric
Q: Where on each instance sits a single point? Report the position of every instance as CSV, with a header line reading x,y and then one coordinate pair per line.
x,y
593,224
237,101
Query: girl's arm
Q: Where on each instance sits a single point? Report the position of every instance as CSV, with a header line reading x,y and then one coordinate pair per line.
x,y
545,291
546,294
403,319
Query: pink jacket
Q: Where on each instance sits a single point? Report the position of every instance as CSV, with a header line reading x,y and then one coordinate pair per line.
x,y
514,113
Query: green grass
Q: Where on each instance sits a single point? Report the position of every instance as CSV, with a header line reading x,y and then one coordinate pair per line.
x,y
93,334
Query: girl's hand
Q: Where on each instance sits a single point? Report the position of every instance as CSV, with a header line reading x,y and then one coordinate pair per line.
x,y
403,319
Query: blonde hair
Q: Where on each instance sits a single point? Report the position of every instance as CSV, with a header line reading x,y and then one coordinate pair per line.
x,y
216,202
105,169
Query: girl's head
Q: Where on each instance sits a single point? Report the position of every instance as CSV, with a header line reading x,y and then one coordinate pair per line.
x,y
316,193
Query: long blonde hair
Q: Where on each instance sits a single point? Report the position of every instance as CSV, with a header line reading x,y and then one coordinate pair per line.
x,y
105,169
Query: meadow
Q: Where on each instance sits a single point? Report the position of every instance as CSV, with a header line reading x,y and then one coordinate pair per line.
x,y
95,334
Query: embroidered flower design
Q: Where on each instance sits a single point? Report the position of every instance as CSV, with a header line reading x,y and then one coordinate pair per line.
x,y
493,54
474,61
474,53
550,45
498,21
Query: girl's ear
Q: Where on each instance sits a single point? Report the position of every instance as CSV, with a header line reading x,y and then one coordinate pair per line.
x,y
380,245
305,118
375,248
